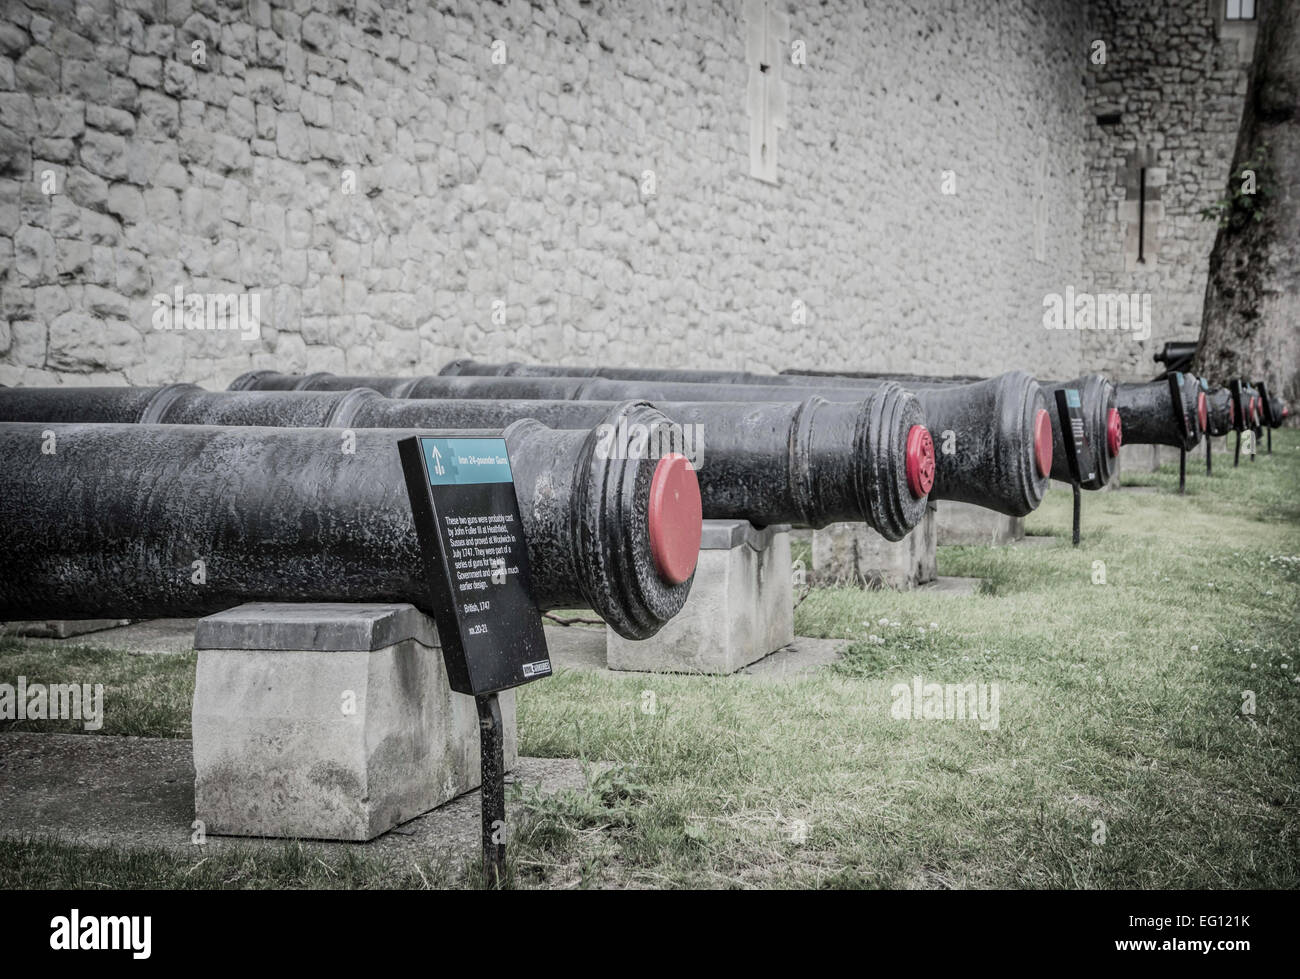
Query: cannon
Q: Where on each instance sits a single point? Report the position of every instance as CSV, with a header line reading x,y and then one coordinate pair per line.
x,y
1243,410
1176,355
1272,408
1089,458
1272,412
146,520
1171,411
808,463
1220,417
1102,425
992,440
1090,468
1166,412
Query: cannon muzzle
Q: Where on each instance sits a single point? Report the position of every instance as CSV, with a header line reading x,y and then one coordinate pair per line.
x,y
1176,355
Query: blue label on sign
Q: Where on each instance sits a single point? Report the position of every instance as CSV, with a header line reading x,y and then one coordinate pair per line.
x,y
453,462
1072,398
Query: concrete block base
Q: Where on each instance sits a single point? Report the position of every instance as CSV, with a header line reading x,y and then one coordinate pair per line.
x,y
741,607
60,628
853,553
965,523
1149,458
328,721
1139,458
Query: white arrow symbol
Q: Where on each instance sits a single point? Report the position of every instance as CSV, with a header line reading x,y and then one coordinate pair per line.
x,y
437,462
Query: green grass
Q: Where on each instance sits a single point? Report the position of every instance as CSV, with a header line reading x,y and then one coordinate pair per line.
x,y
144,695
1121,759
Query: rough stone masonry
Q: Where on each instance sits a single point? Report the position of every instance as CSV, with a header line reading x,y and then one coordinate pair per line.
x,y
396,184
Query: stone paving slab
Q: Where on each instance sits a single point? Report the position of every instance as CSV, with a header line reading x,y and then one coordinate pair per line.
x,y
951,585
576,647
583,648
60,628
138,793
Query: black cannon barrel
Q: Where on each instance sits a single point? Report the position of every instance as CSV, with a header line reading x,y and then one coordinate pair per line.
x,y
1176,355
1243,404
1196,402
830,377
688,375
1159,413
1102,424
1220,416
101,520
992,440
1256,409
809,463
1101,421
1271,408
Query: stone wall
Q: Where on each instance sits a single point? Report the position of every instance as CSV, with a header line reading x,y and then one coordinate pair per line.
x,y
1170,94
550,181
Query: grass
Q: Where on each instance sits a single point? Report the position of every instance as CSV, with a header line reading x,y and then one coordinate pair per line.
x,y
51,863
146,696
1121,758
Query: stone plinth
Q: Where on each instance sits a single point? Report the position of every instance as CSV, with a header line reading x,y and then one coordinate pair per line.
x,y
328,721
853,553
965,523
741,607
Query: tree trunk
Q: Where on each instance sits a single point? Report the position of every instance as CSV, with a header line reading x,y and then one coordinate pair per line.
x,y
1251,322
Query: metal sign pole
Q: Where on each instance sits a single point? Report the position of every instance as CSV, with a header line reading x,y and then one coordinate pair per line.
x,y
1078,505
493,789
1182,470
1209,456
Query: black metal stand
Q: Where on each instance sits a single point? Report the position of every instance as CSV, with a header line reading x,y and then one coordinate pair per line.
x,y
1209,456
493,790
1078,504
1270,440
1236,454
1254,445
1182,470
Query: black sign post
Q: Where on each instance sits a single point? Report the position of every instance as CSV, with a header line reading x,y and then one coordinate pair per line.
x,y
1188,425
467,519
1078,453
1265,402
1235,388
1209,451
